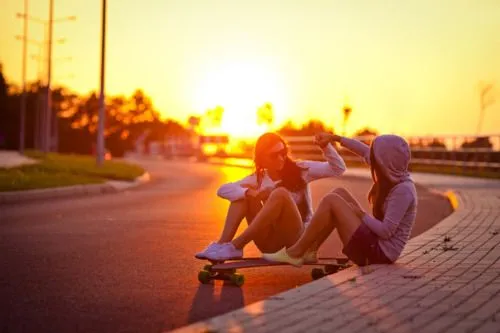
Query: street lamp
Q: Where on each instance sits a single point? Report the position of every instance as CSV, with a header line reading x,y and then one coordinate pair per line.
x,y
22,117
100,125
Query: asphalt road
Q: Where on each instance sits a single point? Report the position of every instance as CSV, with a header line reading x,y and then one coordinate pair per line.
x,y
124,262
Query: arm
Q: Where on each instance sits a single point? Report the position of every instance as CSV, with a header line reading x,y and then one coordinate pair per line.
x,y
333,167
357,147
397,205
236,190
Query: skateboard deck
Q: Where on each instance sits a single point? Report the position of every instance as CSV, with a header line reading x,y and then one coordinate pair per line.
x,y
260,262
227,270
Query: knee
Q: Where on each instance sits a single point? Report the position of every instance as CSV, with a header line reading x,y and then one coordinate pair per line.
x,y
331,199
280,193
341,191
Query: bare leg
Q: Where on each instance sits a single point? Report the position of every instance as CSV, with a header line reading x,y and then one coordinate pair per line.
x,y
279,221
253,208
236,212
349,198
333,212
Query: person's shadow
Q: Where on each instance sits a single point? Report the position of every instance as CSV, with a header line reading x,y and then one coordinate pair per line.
x,y
214,299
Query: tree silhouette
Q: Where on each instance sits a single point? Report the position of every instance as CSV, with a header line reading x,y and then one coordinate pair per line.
x,y
265,114
3,90
214,116
367,133
486,99
346,110
310,128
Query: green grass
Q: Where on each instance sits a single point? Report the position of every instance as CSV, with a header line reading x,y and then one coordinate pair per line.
x,y
55,170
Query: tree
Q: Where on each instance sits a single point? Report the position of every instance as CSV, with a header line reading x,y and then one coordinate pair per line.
x,y
346,110
265,114
3,90
310,128
214,116
3,106
436,143
367,134
127,118
480,142
486,99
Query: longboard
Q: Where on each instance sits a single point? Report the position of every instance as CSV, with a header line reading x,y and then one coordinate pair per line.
x,y
227,270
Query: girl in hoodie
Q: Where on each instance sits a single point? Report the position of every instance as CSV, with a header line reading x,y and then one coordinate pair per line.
x,y
368,239
277,194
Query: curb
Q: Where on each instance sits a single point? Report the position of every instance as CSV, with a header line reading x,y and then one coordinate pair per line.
x,y
111,186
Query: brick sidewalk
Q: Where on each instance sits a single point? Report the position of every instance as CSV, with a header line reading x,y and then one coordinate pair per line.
x,y
447,280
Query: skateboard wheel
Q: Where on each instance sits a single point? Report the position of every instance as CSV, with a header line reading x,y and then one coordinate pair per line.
x,y
238,279
204,277
317,273
207,267
332,269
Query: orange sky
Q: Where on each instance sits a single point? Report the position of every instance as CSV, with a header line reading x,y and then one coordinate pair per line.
x,y
409,67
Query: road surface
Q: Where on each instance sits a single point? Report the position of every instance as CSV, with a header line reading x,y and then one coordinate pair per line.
x,y
124,262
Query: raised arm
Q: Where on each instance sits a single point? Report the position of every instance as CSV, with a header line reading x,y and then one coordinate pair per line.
x,y
333,167
236,190
357,147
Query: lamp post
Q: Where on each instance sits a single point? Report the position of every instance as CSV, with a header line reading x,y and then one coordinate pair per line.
x,y
102,113
22,118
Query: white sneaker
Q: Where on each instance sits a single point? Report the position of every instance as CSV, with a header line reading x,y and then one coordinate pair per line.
x,y
226,251
211,248
282,256
311,257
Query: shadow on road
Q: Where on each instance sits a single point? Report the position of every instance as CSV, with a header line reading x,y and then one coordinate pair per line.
x,y
214,299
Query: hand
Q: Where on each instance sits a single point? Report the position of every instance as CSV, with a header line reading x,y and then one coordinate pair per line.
x,y
253,193
322,139
265,193
358,211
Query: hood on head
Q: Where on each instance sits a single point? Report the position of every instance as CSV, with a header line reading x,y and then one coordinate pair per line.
x,y
392,154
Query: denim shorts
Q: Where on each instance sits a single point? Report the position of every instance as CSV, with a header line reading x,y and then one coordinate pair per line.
x,y
363,248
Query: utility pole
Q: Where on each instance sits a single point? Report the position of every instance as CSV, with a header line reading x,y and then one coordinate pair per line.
x,y
45,117
102,107
22,120
48,97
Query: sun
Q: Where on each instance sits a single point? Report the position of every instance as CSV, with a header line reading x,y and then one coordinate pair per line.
x,y
241,88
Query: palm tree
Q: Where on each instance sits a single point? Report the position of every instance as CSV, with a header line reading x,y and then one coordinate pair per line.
x,y
265,114
347,112
486,99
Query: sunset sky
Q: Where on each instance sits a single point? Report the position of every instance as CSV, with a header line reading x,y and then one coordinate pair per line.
x,y
409,67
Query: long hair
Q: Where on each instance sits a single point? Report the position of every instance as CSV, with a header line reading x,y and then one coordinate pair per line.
x,y
291,174
380,188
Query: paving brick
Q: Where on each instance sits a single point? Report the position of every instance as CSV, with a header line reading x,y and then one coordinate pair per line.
x,y
487,311
310,325
489,327
464,326
361,324
438,324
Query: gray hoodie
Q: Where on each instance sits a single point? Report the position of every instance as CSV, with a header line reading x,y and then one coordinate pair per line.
x,y
392,153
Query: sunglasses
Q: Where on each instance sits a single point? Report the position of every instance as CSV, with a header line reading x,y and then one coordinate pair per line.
x,y
274,155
